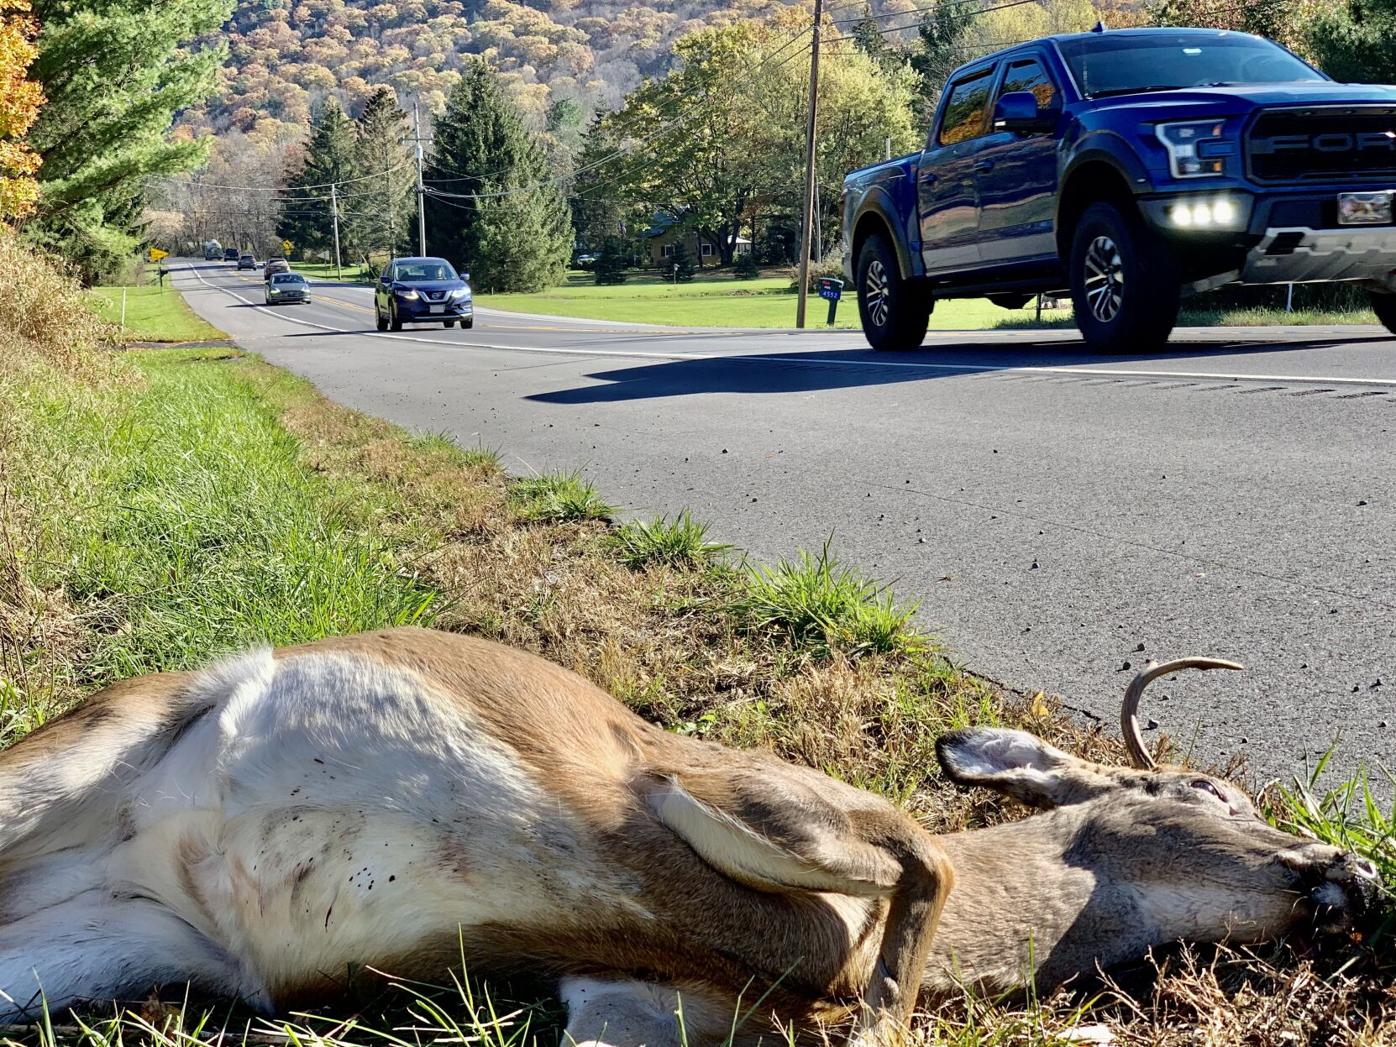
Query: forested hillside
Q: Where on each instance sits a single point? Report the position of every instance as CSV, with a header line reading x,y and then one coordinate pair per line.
x,y
286,56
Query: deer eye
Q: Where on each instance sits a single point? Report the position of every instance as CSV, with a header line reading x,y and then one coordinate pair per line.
x,y
1203,785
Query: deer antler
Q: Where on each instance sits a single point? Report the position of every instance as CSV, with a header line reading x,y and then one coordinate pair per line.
x,y
1129,710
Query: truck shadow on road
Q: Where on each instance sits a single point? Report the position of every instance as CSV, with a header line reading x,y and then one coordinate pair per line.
x,y
814,370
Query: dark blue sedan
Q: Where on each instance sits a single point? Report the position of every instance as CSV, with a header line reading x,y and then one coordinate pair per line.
x,y
422,291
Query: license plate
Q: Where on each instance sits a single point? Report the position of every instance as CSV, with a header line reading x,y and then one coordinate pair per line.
x,y
1364,208
442,308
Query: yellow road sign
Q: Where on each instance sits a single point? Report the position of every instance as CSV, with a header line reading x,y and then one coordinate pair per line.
x,y
156,254
286,247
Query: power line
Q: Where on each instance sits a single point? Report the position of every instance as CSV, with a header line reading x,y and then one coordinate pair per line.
x,y
930,10
298,188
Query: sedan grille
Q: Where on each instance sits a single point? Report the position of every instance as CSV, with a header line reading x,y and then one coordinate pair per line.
x,y
1329,143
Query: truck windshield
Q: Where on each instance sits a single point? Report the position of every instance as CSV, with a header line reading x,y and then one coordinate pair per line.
x,y
1109,64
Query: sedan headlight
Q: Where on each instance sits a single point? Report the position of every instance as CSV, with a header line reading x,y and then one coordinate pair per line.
x,y
408,293
1197,148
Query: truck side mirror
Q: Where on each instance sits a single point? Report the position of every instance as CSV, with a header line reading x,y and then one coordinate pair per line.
x,y
1017,111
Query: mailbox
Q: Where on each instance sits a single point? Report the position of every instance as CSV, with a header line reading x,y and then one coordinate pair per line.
x,y
831,290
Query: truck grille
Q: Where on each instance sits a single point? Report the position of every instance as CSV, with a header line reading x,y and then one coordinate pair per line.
x,y
1329,143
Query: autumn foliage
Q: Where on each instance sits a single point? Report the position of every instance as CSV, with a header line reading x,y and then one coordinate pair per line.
x,y
20,99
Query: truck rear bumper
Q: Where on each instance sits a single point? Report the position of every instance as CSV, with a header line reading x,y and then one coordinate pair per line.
x,y
1305,255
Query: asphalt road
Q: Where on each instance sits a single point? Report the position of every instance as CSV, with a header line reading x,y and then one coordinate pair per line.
x,y
1059,515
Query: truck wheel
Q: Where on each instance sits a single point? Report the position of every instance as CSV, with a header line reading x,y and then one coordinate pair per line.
x,y
1384,305
1124,282
894,315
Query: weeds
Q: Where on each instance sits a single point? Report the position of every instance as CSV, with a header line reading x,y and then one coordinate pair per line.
x,y
558,497
816,604
680,542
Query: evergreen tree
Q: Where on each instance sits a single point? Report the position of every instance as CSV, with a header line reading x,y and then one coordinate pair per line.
x,y
382,208
680,262
501,215
746,267
115,73
611,262
331,155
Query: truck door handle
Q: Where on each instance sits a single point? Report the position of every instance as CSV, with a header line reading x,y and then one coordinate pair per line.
x,y
928,178
983,165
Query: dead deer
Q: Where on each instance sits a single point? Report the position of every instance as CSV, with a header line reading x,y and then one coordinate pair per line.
x,y
407,798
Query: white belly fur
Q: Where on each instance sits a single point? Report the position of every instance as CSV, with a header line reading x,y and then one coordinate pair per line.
x,y
331,812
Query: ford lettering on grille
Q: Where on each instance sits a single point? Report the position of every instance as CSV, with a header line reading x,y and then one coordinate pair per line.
x,y
1342,142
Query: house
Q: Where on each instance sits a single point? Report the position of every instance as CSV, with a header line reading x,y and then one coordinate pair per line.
x,y
665,232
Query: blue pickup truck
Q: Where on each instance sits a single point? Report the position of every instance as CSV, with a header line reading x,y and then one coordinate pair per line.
x,y
1129,168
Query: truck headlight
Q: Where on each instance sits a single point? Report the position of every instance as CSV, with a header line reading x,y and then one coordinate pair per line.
x,y
1196,148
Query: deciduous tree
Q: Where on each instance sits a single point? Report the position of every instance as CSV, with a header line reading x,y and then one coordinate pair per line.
x,y
20,99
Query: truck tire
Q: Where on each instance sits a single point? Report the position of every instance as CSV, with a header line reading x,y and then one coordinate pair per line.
x,y
1384,305
894,315
1125,286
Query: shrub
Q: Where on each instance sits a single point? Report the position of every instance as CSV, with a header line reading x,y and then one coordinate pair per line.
x,y
746,267
830,265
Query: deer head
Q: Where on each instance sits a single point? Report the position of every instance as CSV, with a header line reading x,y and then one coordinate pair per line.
x,y
1122,859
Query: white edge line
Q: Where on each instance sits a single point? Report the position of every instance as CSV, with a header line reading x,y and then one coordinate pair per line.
x,y
1102,372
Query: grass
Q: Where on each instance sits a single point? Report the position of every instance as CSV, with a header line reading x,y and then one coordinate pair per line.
x,y
153,314
348,272
714,300
682,541
157,507
815,604
720,300
558,497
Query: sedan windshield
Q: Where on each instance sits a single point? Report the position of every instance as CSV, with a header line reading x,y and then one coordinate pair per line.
x,y
426,269
289,278
1106,64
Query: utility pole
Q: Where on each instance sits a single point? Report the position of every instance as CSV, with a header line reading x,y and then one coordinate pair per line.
x,y
417,140
806,224
334,210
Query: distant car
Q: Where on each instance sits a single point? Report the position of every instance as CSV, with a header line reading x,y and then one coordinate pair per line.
x,y
585,260
422,291
230,254
275,265
247,261
287,287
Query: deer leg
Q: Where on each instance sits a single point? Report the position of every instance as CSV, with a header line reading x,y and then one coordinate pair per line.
x,y
785,830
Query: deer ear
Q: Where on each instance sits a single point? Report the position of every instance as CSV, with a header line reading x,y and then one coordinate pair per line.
x,y
1017,763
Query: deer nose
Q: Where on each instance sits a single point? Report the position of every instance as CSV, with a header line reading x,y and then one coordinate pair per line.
x,y
1348,890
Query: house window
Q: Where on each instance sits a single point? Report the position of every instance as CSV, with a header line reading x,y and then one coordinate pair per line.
x,y
668,250
707,250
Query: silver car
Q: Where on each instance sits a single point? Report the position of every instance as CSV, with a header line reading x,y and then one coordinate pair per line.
x,y
287,287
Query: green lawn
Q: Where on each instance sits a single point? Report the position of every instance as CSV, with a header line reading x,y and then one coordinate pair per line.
x,y
153,314
717,301
326,271
720,300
